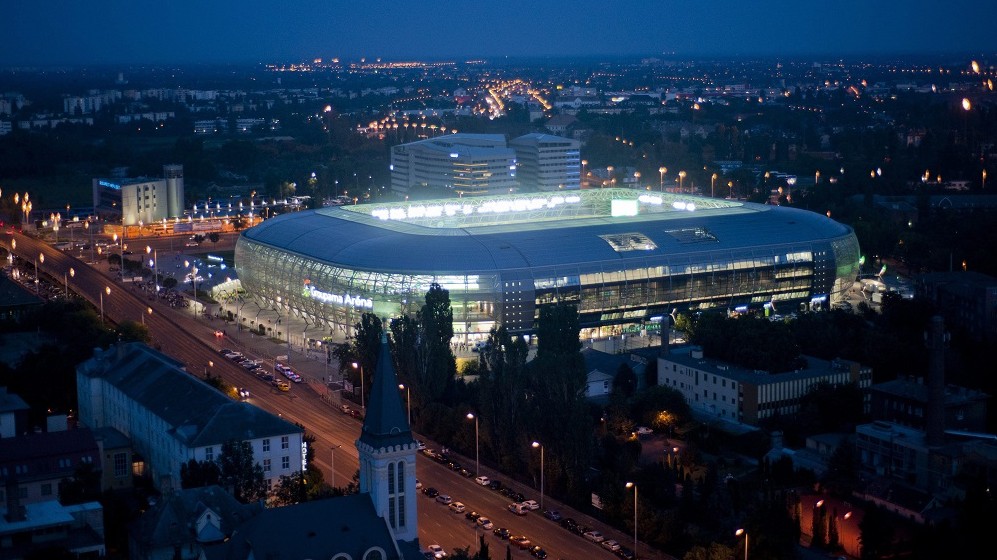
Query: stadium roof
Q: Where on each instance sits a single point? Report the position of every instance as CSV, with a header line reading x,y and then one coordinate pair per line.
x,y
536,230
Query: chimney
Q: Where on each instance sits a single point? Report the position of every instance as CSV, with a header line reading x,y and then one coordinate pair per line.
x,y
936,340
15,511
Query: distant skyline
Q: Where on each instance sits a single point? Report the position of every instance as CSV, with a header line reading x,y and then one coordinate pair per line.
x,y
74,32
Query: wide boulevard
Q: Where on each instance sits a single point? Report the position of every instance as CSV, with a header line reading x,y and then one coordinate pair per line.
x,y
192,340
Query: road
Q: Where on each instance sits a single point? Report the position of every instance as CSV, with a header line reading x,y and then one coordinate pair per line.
x,y
192,341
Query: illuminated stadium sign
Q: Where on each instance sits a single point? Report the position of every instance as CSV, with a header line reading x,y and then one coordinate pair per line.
x,y
337,299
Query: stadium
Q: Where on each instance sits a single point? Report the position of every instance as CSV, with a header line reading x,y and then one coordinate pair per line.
x,y
626,258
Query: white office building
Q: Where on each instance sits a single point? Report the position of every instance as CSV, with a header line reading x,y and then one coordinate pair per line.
x,y
140,199
462,164
172,417
547,163
744,396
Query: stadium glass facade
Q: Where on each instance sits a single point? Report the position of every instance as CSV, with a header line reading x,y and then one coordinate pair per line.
x,y
625,258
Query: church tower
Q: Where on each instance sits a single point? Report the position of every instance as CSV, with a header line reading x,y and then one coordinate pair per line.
x,y
387,452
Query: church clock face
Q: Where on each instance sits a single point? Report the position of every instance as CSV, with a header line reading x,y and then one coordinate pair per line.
x,y
373,554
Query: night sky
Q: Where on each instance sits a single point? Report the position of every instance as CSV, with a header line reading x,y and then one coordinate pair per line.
x,y
73,32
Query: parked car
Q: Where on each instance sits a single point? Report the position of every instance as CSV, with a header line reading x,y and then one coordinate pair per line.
x,y
457,507
518,509
569,523
520,540
625,553
532,505
472,515
484,523
644,431
444,499
344,408
594,536
437,551
495,484
552,514
431,492
418,484
501,533
537,551
482,480
611,545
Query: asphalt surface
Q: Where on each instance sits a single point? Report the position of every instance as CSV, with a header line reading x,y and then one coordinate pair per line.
x,y
192,340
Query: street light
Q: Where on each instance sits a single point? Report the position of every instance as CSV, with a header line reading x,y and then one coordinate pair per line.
x,y
713,184
148,310
332,465
661,177
72,272
107,290
360,366
681,176
535,445
634,486
477,463
408,400
740,532
41,257
609,172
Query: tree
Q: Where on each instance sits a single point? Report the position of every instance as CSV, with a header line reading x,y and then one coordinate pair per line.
x,y
169,283
242,477
197,474
502,386
83,487
875,533
291,489
213,237
130,331
625,380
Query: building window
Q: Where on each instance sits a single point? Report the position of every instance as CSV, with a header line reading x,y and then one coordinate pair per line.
x,y
391,478
266,445
120,464
285,442
266,465
285,462
209,453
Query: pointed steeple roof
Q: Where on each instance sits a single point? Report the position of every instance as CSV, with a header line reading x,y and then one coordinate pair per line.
x,y
385,423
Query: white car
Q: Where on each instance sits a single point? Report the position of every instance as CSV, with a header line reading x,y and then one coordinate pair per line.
x,y
532,505
457,507
444,499
482,480
437,551
595,536
484,523
644,431
611,545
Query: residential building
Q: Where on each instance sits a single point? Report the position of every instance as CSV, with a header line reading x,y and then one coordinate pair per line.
x,y
171,417
13,409
904,401
547,163
967,300
26,529
33,465
462,164
733,394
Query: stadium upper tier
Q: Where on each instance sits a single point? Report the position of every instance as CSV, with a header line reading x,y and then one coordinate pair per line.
x,y
623,256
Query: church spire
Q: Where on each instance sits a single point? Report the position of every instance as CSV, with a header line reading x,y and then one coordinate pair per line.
x,y
385,422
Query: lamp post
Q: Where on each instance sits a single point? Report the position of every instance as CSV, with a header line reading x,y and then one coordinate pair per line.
x,y
583,183
681,177
360,367
332,464
713,184
72,272
609,172
477,463
740,532
535,445
148,310
661,177
155,263
41,257
107,290
634,486
408,400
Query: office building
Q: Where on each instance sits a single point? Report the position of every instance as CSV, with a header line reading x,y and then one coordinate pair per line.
x,y
130,201
454,164
547,163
